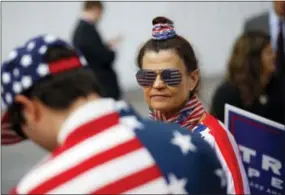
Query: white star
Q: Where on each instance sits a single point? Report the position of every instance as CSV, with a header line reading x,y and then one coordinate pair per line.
x,y
132,122
6,78
26,60
43,49
26,81
31,46
8,98
12,55
176,186
220,173
184,142
17,88
205,133
16,72
43,70
49,38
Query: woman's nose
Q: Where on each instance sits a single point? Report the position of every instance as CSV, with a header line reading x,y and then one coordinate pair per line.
x,y
158,83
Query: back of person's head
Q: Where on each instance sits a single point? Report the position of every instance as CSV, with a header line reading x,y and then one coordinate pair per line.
x,y
89,5
54,73
251,59
172,54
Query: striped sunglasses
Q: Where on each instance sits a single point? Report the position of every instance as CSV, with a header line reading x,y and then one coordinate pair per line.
x,y
146,77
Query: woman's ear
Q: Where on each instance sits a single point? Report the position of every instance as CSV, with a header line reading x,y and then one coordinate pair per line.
x,y
29,108
194,79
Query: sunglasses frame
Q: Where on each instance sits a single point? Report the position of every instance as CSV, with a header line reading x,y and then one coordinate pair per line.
x,y
159,72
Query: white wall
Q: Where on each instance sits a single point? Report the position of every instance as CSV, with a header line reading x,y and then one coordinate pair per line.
x,y
210,26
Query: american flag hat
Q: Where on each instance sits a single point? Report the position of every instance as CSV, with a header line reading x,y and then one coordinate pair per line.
x,y
26,65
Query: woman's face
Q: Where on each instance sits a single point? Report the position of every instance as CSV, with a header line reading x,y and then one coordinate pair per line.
x,y
267,60
159,95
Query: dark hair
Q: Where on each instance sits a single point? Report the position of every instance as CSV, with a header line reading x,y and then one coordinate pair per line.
x,y
57,91
91,4
177,43
245,67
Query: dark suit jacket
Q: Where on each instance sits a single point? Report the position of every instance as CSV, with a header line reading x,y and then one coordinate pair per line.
x,y
99,57
260,22
227,93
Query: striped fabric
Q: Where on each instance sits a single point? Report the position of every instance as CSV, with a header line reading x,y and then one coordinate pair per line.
x,y
218,137
163,31
8,136
105,151
187,117
226,148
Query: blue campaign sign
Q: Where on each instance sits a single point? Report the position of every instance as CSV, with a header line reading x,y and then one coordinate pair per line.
x,y
262,148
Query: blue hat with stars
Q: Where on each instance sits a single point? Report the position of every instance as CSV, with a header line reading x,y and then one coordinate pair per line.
x,y
26,65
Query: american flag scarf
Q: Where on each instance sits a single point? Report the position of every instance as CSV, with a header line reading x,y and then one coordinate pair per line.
x,y
187,117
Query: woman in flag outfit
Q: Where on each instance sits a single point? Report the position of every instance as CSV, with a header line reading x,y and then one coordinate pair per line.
x,y
169,75
97,145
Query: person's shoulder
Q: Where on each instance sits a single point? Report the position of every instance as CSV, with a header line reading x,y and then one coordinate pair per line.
x,y
215,127
162,133
254,22
226,90
33,178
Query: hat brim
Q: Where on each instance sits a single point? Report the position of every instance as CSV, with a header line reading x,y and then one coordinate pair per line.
x,y
8,135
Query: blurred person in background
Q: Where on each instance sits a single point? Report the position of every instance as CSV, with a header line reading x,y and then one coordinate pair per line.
x,y
250,70
169,74
99,55
98,145
272,23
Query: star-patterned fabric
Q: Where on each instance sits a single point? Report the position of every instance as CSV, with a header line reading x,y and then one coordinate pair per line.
x,y
118,152
24,67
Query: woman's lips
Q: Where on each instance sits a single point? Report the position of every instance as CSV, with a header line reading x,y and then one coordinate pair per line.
x,y
159,97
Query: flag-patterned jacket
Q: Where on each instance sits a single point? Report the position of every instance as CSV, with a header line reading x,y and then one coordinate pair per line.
x,y
105,147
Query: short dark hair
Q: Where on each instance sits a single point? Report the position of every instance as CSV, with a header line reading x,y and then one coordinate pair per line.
x,y
91,4
182,47
57,91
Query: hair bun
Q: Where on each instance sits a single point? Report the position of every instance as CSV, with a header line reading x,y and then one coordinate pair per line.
x,y
161,20
163,28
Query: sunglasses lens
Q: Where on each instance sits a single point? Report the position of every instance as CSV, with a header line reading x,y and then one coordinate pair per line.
x,y
145,78
171,77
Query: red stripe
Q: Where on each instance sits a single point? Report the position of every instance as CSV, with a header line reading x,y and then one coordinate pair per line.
x,y
87,130
226,148
64,64
86,165
132,181
13,191
9,136
10,141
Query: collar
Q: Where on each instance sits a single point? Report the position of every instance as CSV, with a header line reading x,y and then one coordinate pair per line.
x,y
274,18
87,112
88,21
188,116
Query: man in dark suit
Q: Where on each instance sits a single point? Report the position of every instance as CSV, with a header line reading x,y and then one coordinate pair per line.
x,y
272,22
100,56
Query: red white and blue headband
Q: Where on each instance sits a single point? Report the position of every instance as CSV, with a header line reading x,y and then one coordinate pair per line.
x,y
163,31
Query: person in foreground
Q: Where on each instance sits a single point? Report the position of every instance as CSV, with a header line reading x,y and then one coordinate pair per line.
x,y
169,74
97,145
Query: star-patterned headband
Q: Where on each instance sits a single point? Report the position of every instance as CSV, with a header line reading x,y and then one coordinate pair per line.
x,y
163,31
26,65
